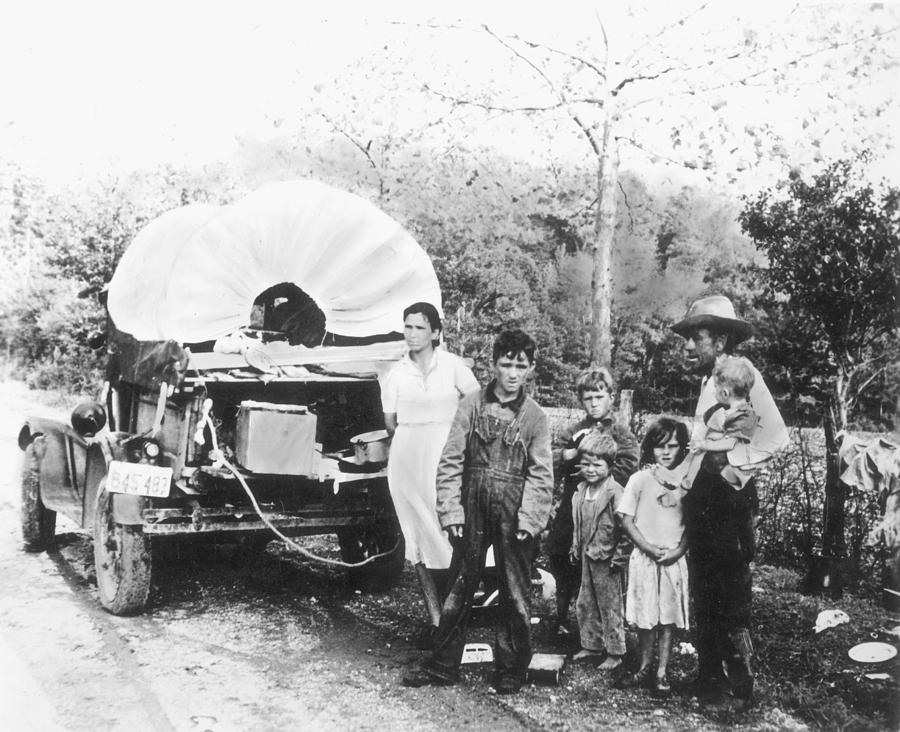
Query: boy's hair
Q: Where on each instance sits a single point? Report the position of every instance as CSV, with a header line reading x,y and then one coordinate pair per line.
x,y
593,379
598,445
659,433
510,343
736,373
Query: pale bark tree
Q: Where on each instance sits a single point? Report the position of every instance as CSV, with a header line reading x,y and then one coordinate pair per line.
x,y
682,76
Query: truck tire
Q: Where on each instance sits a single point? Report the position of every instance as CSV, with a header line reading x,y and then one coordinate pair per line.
x,y
358,543
121,560
38,522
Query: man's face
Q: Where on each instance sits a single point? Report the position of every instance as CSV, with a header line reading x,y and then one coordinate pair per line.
x,y
511,374
701,349
597,402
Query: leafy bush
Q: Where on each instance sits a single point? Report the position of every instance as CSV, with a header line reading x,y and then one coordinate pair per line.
x,y
51,339
791,517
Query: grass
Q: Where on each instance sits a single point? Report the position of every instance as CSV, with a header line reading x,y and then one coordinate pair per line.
x,y
809,673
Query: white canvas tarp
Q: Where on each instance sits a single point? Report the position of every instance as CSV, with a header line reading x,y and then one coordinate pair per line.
x,y
193,274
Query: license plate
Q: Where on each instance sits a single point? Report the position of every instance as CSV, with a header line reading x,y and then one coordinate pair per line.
x,y
138,479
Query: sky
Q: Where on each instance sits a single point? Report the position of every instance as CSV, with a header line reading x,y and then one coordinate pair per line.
x,y
92,87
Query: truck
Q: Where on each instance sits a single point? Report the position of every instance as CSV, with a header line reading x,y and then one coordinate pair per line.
x,y
241,396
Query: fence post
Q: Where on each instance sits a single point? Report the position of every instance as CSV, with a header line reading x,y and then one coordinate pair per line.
x,y
625,407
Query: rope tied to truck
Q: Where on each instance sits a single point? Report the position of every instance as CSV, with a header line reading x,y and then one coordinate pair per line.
x,y
290,542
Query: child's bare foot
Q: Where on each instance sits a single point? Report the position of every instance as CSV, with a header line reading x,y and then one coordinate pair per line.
x,y
587,655
610,663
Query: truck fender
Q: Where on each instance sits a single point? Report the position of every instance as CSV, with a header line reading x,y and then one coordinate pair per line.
x,y
27,436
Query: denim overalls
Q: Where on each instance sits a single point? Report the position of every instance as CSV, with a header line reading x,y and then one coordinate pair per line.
x,y
492,488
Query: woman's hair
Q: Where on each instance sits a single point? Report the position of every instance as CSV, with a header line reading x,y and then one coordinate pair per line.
x,y
659,433
595,378
736,373
598,445
430,313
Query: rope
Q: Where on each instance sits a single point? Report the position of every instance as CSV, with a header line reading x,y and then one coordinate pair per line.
x,y
290,542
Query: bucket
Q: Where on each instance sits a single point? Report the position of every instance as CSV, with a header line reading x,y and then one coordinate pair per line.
x,y
371,447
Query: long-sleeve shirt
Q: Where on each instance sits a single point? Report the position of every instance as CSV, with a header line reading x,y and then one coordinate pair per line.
x,y
771,436
534,433
625,462
598,530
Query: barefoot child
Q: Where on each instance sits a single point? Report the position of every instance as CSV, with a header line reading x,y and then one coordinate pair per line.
x,y
657,598
596,392
596,540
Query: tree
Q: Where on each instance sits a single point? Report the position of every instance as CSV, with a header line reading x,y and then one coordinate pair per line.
x,y
670,94
833,246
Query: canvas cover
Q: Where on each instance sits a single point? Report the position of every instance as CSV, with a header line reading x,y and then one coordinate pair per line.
x,y
192,274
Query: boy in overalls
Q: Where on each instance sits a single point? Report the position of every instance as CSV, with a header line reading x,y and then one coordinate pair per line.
x,y
494,488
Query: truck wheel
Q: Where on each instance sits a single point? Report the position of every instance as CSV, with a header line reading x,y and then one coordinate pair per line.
x,y
358,543
38,522
121,559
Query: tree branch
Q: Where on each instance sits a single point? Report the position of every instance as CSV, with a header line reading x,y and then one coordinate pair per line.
x,y
364,149
565,54
537,69
685,69
743,80
635,143
627,206
492,107
662,31
815,52
605,41
874,375
501,108
588,133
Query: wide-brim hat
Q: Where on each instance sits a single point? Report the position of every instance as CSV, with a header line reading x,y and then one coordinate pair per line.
x,y
716,313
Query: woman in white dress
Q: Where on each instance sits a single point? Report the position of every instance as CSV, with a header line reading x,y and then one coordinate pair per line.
x,y
419,397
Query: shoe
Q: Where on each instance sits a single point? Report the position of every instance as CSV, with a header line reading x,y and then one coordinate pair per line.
x,y
423,677
706,689
508,684
661,686
640,678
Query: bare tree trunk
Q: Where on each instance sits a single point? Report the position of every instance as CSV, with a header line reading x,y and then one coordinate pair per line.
x,y
604,229
828,572
833,543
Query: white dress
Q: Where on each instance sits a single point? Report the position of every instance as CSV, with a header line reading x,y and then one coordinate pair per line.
x,y
656,594
425,404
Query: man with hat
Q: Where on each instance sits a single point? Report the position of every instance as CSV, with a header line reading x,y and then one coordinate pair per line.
x,y
719,517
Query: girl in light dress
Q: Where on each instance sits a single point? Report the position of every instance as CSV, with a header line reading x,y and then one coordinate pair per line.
x,y
657,595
